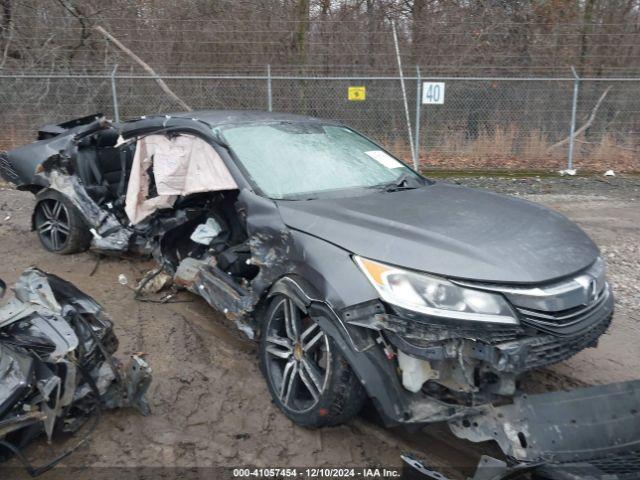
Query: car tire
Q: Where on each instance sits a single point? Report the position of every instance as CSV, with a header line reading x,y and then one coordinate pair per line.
x,y
59,225
308,377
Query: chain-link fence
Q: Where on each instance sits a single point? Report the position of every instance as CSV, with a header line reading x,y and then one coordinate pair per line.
x,y
488,123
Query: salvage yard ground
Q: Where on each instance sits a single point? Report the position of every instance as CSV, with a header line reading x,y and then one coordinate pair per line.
x,y
210,405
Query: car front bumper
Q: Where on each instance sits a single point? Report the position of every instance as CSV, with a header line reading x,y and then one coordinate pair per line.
x,y
504,349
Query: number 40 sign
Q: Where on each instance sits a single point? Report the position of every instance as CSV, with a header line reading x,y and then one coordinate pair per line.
x,y
433,93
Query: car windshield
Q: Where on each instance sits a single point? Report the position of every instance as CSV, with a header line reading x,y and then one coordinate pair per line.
x,y
306,160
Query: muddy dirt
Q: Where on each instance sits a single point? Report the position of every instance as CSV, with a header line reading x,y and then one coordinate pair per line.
x,y
210,405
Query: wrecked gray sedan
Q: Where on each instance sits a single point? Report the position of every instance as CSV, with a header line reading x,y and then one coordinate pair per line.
x,y
57,369
360,278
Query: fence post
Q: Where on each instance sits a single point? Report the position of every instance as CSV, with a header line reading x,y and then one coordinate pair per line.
x,y
416,140
269,93
574,107
404,95
114,94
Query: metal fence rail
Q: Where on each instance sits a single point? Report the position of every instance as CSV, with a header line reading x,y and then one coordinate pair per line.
x,y
484,122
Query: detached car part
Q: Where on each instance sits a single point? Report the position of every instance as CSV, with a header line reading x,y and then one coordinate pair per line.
x,y
57,368
589,433
359,277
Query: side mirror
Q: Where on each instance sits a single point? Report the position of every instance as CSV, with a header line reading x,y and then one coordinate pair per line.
x,y
3,287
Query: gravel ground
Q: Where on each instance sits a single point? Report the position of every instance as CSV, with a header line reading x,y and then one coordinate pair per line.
x,y
209,403
623,187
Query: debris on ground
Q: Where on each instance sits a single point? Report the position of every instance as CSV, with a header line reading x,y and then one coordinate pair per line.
x,y
154,281
57,370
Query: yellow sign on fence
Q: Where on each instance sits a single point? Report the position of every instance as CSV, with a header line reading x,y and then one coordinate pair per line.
x,y
357,94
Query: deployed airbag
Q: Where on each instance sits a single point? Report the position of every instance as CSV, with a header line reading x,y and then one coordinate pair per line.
x,y
167,167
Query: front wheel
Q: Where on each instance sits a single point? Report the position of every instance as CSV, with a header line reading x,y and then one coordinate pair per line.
x,y
59,226
308,377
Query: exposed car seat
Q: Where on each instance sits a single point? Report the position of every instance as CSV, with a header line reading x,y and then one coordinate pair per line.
x,y
115,165
103,167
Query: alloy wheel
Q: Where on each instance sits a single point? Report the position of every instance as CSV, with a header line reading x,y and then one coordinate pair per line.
x,y
298,357
52,223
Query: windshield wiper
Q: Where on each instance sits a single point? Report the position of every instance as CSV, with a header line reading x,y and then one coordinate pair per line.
x,y
403,182
296,197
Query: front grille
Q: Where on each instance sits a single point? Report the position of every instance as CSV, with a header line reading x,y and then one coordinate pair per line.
x,y
547,350
570,322
563,318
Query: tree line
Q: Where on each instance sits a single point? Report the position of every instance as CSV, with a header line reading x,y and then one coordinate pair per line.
x,y
453,37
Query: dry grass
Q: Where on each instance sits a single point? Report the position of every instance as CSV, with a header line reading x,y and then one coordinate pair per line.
x,y
509,148
609,153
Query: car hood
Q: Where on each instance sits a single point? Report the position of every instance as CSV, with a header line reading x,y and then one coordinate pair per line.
x,y
451,231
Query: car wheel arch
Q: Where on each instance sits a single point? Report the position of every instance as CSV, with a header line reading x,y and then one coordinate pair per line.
x,y
297,288
307,298
34,187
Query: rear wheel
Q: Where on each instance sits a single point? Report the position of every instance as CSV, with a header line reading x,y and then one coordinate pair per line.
x,y
59,225
308,377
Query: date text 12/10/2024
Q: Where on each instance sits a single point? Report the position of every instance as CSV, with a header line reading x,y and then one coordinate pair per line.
x,y
317,472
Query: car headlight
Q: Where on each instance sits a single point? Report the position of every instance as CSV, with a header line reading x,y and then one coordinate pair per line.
x,y
435,296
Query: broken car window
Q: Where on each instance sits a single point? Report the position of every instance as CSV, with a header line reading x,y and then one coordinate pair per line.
x,y
301,160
